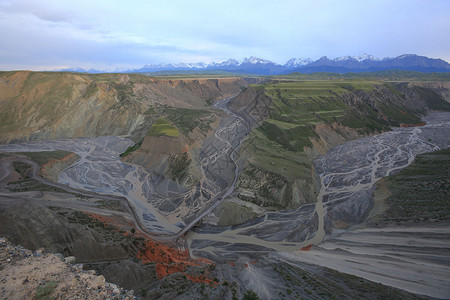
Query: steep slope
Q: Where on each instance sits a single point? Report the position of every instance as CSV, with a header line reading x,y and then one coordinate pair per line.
x,y
302,120
39,105
173,152
416,195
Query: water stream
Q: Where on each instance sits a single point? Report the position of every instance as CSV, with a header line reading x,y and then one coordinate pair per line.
x,y
347,174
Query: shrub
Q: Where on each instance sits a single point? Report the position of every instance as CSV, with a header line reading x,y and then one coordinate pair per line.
x,y
250,295
43,292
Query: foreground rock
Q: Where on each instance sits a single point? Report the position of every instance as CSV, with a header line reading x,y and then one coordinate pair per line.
x,y
27,275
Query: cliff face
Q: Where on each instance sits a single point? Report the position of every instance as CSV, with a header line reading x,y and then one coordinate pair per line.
x,y
297,122
208,89
440,88
62,105
252,105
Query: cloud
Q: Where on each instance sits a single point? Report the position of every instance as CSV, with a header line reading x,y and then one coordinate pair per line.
x,y
106,33
38,10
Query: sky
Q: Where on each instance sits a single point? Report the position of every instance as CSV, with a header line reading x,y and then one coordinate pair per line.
x,y
117,35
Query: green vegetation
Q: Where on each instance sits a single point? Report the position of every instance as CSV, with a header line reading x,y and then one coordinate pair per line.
x,y
182,74
187,119
124,91
44,291
178,165
349,104
250,295
133,148
304,283
299,105
44,157
163,127
109,204
420,192
389,75
26,183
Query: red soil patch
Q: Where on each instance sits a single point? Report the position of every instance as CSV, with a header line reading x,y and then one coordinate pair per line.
x,y
59,160
306,248
412,125
119,222
168,259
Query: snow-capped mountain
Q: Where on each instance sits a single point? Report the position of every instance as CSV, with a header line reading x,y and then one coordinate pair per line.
x,y
226,63
251,65
297,62
256,60
369,63
361,58
366,57
172,67
260,66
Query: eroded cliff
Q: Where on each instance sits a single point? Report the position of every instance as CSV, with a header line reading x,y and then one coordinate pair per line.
x,y
51,105
302,120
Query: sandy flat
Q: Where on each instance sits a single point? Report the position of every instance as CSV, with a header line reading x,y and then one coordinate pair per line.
x,y
415,259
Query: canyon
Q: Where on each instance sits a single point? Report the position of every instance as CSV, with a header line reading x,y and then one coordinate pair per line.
x,y
253,184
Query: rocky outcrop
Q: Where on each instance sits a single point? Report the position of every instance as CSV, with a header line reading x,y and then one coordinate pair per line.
x,y
36,275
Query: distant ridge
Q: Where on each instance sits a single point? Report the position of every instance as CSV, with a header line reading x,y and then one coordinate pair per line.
x,y
260,66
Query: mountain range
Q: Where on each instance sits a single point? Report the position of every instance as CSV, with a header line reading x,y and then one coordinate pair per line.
x,y
260,66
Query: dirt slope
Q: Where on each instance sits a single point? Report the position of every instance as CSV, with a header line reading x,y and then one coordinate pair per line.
x,y
49,105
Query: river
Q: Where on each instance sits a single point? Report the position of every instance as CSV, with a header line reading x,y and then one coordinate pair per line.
x,y
347,173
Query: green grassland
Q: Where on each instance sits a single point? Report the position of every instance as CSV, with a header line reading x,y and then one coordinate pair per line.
x,y
190,74
420,192
360,106
42,157
133,148
45,156
26,183
298,106
389,75
163,127
173,121
273,157
187,119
